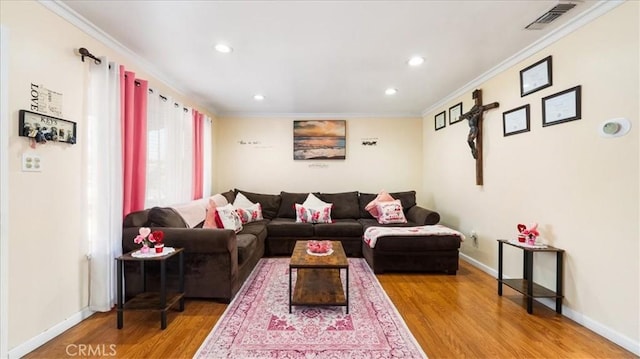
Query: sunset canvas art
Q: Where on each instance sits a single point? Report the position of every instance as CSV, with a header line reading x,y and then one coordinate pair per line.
x,y
319,140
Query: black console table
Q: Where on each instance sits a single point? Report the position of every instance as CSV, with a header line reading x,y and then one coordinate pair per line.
x,y
155,301
526,285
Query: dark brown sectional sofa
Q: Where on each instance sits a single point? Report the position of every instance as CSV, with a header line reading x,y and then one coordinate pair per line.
x,y
217,261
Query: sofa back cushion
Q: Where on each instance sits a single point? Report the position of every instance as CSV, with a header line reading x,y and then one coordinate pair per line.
x,y
408,199
136,219
270,203
288,204
363,200
165,217
345,204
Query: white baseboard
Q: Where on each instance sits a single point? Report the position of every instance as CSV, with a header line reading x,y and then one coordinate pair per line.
x,y
35,342
593,325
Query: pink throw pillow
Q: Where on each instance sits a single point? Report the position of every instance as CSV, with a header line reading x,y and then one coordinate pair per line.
x,y
372,207
391,212
210,219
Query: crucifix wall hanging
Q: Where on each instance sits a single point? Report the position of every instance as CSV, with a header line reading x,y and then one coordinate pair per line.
x,y
474,139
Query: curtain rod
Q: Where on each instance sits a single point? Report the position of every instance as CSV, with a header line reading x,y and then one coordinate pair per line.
x,y
85,53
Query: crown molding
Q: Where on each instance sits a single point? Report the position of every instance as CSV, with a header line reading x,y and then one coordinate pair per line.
x,y
92,30
597,10
347,115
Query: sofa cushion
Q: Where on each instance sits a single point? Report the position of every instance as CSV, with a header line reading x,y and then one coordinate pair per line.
x,y
408,198
287,227
247,244
372,222
345,204
229,195
287,204
258,229
338,229
363,200
270,203
137,219
165,217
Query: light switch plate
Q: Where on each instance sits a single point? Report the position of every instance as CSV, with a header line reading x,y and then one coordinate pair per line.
x,y
31,162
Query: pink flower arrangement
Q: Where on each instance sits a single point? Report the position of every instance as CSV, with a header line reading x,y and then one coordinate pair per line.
x,y
148,238
319,246
528,234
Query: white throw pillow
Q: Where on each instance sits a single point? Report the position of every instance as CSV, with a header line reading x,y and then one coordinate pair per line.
x,y
314,202
242,201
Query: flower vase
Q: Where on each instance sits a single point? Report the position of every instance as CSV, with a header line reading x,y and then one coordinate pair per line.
x,y
144,249
531,240
159,248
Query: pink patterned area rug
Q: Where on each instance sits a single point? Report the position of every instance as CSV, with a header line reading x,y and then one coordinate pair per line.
x,y
257,323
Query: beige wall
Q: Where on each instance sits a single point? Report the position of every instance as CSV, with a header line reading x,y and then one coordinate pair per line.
x,y
393,164
581,188
47,264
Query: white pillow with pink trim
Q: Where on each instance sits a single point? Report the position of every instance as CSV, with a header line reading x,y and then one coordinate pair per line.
x,y
372,207
390,212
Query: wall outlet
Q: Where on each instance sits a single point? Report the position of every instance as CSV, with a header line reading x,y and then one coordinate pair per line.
x,y
474,238
31,162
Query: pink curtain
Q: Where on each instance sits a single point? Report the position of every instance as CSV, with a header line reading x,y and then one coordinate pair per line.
x,y
134,139
198,171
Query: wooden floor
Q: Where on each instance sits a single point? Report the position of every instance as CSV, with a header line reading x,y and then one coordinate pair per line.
x,y
457,316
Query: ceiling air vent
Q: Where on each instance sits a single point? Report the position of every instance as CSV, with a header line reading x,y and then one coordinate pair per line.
x,y
549,16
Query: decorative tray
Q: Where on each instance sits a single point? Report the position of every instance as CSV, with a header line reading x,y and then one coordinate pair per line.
x,y
525,245
152,253
330,252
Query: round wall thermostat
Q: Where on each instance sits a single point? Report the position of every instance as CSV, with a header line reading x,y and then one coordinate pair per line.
x,y
614,128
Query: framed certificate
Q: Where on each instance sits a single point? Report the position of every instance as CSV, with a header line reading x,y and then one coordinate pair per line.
x,y
561,107
536,77
440,120
516,120
454,113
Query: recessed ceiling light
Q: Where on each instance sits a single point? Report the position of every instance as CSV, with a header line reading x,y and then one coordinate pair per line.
x,y
258,97
391,91
416,61
225,49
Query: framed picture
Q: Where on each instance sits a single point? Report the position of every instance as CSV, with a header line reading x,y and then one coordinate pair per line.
x,y
516,120
440,120
319,140
536,77
45,128
454,113
561,107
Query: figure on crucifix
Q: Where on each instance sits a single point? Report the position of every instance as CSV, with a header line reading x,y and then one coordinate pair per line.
x,y
474,116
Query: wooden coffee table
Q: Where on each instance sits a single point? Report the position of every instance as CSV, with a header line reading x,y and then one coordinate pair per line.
x,y
318,281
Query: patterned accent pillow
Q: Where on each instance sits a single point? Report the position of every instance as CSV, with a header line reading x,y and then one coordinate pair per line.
x,y
250,214
313,215
227,218
372,207
247,210
390,212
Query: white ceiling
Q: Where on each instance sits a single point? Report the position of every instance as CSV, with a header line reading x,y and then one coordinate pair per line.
x,y
310,58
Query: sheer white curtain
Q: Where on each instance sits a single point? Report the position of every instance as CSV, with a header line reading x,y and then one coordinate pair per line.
x,y
168,153
206,157
102,149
